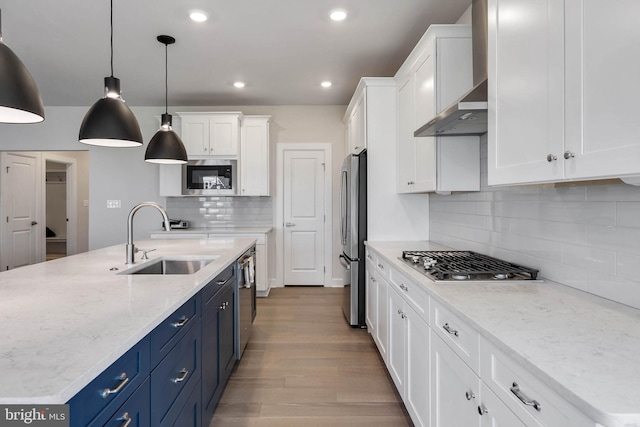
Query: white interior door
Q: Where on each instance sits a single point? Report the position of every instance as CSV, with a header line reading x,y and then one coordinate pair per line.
x,y
304,217
22,234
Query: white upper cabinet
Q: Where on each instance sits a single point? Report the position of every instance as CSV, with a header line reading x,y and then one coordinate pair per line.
x,y
435,75
356,120
561,109
254,156
211,134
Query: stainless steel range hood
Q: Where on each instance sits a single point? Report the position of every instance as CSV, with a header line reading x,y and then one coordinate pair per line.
x,y
467,116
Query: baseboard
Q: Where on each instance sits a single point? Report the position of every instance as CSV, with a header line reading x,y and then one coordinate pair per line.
x,y
336,282
263,294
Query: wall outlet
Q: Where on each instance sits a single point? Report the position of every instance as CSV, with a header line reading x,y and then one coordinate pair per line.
x,y
113,204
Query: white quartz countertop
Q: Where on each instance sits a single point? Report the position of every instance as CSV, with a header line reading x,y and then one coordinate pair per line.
x,y
217,230
584,347
65,321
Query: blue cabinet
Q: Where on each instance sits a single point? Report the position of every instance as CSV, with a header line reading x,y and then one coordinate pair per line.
x,y
217,309
176,374
100,399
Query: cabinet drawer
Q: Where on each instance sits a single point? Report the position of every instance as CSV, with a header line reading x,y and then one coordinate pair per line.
x,y
528,398
186,411
136,409
177,373
111,389
217,284
371,257
383,267
169,332
412,293
462,338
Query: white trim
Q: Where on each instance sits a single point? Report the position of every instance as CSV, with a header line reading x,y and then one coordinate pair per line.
x,y
279,208
72,196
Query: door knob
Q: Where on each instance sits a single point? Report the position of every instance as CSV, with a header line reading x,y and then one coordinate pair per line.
x,y
290,224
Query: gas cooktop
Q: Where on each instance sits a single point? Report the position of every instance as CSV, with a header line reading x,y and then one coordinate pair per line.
x,y
465,265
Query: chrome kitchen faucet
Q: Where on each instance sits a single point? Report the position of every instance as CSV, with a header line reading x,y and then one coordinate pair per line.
x,y
131,249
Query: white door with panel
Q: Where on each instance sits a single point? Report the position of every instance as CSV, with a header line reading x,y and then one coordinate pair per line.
x,y
304,217
22,234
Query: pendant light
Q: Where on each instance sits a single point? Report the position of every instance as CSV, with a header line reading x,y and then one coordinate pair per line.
x,y
109,122
166,147
20,100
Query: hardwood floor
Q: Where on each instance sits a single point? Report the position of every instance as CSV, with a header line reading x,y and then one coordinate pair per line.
x,y
304,366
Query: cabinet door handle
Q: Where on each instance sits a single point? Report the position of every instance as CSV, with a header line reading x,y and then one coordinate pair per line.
x,y
410,183
126,418
569,155
123,381
482,409
469,395
449,329
374,280
183,321
515,389
290,224
551,158
403,287
380,266
182,377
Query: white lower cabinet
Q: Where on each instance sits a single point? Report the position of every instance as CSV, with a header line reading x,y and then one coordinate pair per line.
x,y
454,388
494,413
447,374
408,356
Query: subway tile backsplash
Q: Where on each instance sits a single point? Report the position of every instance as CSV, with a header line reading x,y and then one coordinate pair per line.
x,y
583,236
222,212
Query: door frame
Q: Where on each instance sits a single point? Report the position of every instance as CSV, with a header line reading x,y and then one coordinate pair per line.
x,y
71,164
279,207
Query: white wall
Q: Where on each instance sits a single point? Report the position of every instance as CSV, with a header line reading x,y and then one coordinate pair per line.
x,y
115,173
586,236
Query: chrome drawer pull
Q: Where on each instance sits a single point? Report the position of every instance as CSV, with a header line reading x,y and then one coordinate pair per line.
x,y
183,321
123,381
482,409
515,389
222,282
449,329
380,266
126,418
470,395
182,377
403,287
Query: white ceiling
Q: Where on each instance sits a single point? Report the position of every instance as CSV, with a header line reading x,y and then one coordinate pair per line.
x,y
282,49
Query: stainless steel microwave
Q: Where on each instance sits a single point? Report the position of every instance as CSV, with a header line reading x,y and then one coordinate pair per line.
x,y
210,177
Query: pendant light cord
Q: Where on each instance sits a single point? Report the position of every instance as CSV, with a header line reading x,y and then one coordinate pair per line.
x,y
111,39
166,79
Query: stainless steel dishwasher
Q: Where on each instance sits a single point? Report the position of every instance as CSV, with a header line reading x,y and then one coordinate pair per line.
x,y
246,297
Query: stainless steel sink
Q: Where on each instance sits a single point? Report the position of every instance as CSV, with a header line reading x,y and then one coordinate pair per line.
x,y
171,266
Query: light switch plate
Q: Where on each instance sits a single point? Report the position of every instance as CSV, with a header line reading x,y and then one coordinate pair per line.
x,y
113,204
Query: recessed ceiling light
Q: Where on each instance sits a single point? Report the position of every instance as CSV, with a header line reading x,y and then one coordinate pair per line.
x,y
239,85
338,14
326,84
198,16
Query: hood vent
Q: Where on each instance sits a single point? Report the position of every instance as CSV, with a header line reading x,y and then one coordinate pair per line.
x,y
467,116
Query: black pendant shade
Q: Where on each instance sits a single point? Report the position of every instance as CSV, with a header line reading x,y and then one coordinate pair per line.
x,y
166,147
20,100
110,122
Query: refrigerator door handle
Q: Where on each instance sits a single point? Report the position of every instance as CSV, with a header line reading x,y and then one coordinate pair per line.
x,y
346,264
343,208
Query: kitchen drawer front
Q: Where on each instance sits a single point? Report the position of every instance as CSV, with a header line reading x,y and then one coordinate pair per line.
x,y
136,409
417,297
261,238
543,406
462,338
371,257
383,267
217,284
177,373
169,332
112,387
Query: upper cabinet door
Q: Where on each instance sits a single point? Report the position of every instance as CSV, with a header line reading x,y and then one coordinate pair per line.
x,y
224,135
254,156
526,91
603,86
195,135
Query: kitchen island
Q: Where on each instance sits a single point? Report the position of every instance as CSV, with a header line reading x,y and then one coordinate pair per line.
x,y
65,321
541,348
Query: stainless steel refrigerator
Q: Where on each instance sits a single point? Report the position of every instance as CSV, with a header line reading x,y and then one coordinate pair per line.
x,y
353,233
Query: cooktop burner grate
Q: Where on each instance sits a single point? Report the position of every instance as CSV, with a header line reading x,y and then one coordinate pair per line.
x,y
466,265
